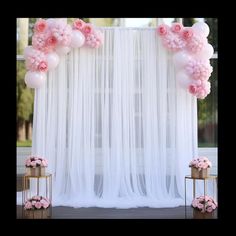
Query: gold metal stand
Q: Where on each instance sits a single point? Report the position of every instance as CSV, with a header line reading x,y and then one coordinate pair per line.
x,y
210,177
26,193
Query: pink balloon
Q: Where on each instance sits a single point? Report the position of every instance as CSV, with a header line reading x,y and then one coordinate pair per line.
x,y
206,53
62,50
35,79
180,59
27,51
77,39
201,28
183,79
53,60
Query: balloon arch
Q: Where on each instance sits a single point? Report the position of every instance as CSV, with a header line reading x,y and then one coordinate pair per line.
x,y
54,37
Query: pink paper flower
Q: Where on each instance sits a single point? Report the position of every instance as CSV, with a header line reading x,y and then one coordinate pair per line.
x,y
192,89
162,29
198,69
40,26
78,24
176,27
187,33
173,42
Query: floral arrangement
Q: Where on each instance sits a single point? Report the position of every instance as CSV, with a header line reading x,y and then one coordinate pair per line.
x,y
200,163
192,54
36,203
53,38
204,204
34,161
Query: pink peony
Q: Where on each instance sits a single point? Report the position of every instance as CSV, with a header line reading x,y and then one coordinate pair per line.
x,y
78,24
28,205
187,33
176,27
87,28
42,67
40,26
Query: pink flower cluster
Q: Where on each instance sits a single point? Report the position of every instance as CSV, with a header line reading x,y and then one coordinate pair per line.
x,y
36,61
200,163
204,204
36,203
93,38
194,56
34,161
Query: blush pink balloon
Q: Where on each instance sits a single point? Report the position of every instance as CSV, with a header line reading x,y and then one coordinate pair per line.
x,y
180,59
35,79
201,28
27,51
62,50
77,39
183,79
206,53
53,60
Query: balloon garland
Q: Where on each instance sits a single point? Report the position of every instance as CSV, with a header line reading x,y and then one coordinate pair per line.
x,y
53,38
192,54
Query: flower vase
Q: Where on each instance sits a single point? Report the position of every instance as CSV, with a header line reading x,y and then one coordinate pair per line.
x,y
37,214
202,215
37,171
203,173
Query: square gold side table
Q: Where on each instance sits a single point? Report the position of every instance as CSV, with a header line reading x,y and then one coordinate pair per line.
x,y
26,194
210,177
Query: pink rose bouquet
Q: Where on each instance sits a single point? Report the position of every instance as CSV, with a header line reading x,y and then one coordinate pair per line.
x,y
204,204
34,161
37,203
200,163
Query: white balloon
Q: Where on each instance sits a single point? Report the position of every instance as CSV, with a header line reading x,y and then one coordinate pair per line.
x,y
201,28
77,39
62,50
27,51
34,79
53,60
206,52
183,79
180,59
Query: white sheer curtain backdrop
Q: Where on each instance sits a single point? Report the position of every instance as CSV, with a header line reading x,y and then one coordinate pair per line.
x,y
116,128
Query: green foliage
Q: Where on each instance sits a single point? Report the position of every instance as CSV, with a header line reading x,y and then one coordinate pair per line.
x,y
213,35
26,143
25,95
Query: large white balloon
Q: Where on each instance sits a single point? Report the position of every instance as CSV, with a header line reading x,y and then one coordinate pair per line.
x,y
183,79
77,39
201,28
62,50
27,51
180,59
53,60
34,79
206,52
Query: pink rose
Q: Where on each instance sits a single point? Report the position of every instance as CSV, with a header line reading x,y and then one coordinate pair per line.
x,y
78,24
187,33
209,209
162,29
28,205
43,66
192,89
176,27
38,205
88,28
40,26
